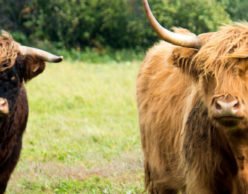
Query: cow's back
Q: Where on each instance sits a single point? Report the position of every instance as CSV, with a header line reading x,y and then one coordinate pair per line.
x,y
164,97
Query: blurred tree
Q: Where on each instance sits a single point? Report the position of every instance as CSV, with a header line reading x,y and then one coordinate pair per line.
x,y
10,11
237,9
101,23
197,16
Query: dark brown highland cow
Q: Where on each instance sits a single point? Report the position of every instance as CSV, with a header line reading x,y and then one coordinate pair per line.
x,y
18,64
192,94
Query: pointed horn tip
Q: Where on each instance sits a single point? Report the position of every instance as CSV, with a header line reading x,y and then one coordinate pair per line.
x,y
178,39
58,59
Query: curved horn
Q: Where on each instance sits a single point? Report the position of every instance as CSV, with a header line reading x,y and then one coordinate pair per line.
x,y
174,38
46,56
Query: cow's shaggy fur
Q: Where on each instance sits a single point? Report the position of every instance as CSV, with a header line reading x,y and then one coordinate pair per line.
x,y
184,148
14,70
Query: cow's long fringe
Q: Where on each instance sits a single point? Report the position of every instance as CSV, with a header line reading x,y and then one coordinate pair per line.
x,y
8,51
224,49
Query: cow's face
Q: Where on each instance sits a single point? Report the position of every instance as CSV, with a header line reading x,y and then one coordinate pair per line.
x,y
10,83
11,80
18,64
226,95
217,62
223,85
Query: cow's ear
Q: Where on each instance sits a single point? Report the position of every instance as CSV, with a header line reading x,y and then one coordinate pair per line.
x,y
31,66
183,58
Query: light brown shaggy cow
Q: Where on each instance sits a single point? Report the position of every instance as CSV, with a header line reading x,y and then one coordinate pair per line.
x,y
193,111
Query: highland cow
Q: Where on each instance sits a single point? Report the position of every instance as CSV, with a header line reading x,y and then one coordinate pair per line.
x,y
192,94
18,64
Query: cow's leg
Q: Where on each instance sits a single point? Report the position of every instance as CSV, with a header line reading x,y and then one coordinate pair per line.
x,y
161,187
157,185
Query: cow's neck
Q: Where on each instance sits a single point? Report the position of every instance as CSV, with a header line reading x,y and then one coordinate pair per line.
x,y
207,148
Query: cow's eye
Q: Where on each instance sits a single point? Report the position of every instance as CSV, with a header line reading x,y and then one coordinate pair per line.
x,y
13,78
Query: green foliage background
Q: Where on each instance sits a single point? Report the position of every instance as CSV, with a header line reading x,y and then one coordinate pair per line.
x,y
117,24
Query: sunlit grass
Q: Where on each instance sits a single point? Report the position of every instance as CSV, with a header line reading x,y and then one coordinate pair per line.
x,y
82,134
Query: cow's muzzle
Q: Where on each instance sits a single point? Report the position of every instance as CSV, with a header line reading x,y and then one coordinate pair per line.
x,y
227,110
4,107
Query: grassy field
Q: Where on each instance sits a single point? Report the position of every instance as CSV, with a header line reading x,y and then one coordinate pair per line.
x,y
82,134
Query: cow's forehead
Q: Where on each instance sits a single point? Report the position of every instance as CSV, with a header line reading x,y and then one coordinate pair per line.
x,y
8,52
224,49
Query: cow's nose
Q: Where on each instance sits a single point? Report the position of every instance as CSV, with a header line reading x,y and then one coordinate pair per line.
x,y
4,107
227,110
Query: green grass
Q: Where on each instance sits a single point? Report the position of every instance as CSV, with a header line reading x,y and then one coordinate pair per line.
x,y
82,134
